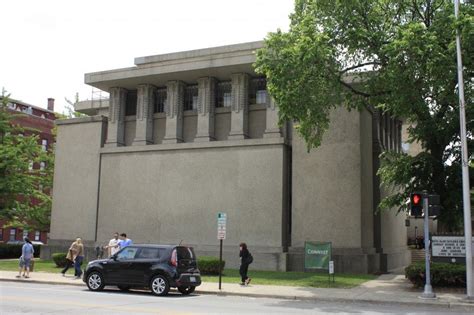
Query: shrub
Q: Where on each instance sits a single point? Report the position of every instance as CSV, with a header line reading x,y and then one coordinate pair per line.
x,y
14,250
60,259
442,274
209,265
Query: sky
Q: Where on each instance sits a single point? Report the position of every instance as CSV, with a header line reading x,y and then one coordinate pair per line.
x,y
48,45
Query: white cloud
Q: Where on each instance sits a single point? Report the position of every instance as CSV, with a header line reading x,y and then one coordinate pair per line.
x,y
48,45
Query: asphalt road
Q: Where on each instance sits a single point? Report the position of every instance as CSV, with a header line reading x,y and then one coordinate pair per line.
x,y
31,298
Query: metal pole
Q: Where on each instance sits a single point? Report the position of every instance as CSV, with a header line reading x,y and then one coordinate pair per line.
x,y
220,265
428,292
465,166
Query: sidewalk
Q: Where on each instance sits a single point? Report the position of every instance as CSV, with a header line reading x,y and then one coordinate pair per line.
x,y
386,289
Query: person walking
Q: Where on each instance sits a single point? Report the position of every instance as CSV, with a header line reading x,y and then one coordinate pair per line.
x,y
70,257
27,252
245,260
79,259
112,247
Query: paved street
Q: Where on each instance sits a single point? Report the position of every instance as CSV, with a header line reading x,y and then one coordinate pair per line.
x,y
32,298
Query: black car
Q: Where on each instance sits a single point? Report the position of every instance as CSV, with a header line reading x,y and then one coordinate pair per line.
x,y
158,267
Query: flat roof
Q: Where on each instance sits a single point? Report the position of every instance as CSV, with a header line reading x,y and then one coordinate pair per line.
x,y
188,66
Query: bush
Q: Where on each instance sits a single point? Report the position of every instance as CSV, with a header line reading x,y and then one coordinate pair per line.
x,y
14,250
60,259
442,274
209,265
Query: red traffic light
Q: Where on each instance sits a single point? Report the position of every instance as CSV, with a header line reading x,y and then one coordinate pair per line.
x,y
416,199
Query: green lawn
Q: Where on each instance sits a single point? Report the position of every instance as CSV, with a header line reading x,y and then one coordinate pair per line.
x,y
292,278
301,279
40,266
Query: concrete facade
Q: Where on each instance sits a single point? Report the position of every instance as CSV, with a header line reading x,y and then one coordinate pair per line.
x,y
162,175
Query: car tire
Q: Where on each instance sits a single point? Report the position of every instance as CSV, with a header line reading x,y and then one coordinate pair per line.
x,y
124,288
159,285
95,281
186,290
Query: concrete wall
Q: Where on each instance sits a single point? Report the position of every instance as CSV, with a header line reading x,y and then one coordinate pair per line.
x,y
76,178
130,127
222,123
178,194
327,185
366,181
257,123
394,238
159,128
189,126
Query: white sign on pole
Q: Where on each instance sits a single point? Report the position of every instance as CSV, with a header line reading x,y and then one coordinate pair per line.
x,y
221,225
449,246
331,267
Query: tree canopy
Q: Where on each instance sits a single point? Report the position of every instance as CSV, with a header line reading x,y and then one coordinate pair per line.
x,y
397,56
25,201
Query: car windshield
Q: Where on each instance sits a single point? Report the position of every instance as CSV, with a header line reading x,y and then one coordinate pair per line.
x,y
127,253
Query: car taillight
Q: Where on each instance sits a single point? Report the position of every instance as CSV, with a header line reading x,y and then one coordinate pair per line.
x,y
174,258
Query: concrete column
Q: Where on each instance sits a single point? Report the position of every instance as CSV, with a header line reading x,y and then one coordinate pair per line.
x,y
116,124
145,106
240,107
272,129
174,112
206,106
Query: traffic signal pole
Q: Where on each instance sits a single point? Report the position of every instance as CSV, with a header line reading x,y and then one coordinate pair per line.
x,y
465,166
428,291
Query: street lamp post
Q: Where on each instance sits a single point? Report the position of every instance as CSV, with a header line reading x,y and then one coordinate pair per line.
x,y
465,166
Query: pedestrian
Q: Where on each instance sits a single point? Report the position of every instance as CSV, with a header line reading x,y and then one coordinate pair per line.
x,y
79,259
245,260
27,252
112,247
124,241
70,257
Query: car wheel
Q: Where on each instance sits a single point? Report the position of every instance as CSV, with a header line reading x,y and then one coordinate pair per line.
x,y
95,281
186,290
123,287
159,285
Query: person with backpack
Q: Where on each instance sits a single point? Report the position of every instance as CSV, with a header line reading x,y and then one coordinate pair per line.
x,y
245,260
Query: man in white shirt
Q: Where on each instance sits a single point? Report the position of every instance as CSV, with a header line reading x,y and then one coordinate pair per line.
x,y
112,248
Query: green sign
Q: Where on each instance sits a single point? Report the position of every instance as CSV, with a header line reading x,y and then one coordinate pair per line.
x,y
317,255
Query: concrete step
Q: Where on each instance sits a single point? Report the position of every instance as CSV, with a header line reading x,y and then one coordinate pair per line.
x,y
417,255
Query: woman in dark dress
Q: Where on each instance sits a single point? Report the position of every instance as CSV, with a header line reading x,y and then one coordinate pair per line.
x,y
245,260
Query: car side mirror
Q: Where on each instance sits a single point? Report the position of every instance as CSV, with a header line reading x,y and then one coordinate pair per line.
x,y
114,257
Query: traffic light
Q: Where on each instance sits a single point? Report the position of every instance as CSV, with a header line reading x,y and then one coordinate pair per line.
x,y
416,204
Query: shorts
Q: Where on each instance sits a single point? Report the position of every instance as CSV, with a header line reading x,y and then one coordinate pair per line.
x,y
25,262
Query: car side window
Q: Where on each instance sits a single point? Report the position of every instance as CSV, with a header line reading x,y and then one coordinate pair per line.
x,y
127,253
150,253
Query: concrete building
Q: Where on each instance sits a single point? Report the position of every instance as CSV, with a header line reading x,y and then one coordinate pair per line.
x,y
187,135
39,121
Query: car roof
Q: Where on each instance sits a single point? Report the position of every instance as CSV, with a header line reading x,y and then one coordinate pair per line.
x,y
156,245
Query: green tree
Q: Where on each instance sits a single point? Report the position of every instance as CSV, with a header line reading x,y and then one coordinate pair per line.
x,y
70,110
398,56
24,192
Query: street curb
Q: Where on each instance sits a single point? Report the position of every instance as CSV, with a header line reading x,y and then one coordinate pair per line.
x,y
444,305
449,305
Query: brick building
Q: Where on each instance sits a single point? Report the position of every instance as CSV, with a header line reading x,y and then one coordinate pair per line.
x,y
39,121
